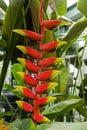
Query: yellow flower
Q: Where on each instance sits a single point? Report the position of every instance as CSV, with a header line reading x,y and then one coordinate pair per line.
x,y
2,126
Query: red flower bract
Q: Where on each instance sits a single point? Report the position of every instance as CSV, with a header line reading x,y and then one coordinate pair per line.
x,y
44,75
32,53
27,78
42,88
50,24
32,35
46,100
29,65
25,106
40,119
47,62
28,93
30,80
50,74
46,87
49,47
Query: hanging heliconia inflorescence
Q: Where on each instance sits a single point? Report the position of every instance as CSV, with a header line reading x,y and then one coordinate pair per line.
x,y
41,82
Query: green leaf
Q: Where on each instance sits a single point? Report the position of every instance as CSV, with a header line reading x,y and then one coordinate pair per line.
x,y
82,111
61,6
64,78
3,43
63,126
15,68
85,37
75,31
11,89
62,107
25,124
3,5
82,6
8,113
46,5
12,20
13,128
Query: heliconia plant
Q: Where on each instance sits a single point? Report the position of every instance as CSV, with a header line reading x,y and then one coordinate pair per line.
x,y
39,81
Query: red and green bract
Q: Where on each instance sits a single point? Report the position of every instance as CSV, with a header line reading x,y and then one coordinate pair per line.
x,y
38,78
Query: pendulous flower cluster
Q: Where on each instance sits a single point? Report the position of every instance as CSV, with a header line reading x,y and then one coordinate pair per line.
x,y
41,83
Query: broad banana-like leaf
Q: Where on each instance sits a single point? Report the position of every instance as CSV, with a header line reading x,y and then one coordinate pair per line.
x,y
62,107
81,5
63,126
74,33
75,30
60,6
12,20
25,124
3,5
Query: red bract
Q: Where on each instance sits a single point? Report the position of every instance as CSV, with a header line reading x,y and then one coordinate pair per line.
x,y
25,92
50,24
49,62
28,79
50,74
40,119
29,65
51,46
46,100
25,106
45,87
32,53
29,34
33,35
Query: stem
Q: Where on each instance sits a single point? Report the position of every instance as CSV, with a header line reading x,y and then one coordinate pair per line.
x,y
40,12
36,104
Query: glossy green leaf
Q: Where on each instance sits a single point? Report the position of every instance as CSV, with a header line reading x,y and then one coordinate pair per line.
x,y
3,44
46,5
62,107
3,5
82,6
12,20
63,126
61,6
12,17
75,30
13,128
8,113
82,111
10,88
64,79
17,68
25,124
74,33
